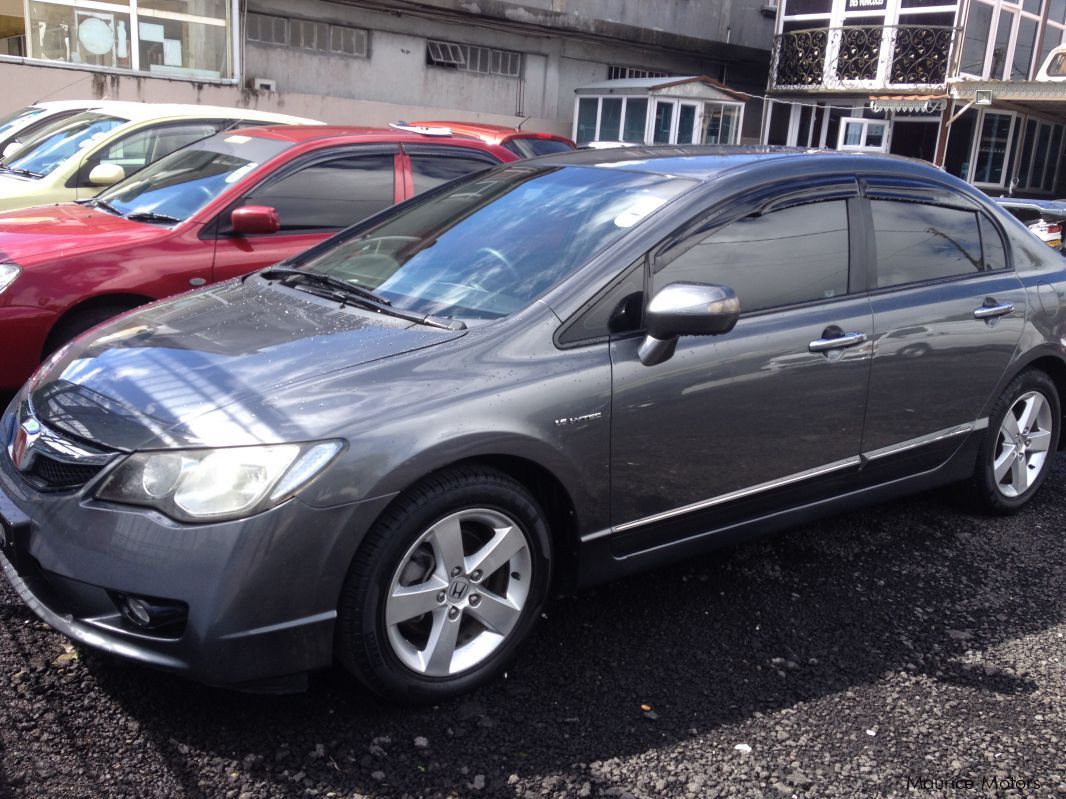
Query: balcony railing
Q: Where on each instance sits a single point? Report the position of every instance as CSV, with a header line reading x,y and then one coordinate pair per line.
x,y
913,57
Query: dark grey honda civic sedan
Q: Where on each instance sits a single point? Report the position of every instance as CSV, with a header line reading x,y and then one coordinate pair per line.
x,y
389,450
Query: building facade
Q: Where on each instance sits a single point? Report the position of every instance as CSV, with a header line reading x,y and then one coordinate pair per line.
x,y
949,82
375,61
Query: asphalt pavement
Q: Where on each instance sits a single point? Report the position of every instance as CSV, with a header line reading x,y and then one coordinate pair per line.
x,y
909,649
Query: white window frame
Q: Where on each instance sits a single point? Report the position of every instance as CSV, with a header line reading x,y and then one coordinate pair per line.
x,y
884,124
1007,151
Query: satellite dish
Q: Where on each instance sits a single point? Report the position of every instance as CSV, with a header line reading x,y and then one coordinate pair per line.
x,y
96,36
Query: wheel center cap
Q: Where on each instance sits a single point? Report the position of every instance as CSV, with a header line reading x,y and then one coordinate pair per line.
x,y
457,590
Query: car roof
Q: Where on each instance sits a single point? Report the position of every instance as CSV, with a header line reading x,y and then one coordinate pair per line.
x,y
138,112
299,134
66,105
705,162
1036,204
494,134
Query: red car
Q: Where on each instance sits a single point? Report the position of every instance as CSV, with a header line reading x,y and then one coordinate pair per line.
x,y
523,143
224,206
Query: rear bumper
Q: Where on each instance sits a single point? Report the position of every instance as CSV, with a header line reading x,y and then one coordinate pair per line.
x,y
261,592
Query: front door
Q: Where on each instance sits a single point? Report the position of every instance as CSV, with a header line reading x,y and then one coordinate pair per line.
x,y
778,402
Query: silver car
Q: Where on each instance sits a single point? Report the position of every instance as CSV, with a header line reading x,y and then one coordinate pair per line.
x,y
389,450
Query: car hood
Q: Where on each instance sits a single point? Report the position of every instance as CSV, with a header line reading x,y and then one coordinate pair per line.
x,y
201,369
46,232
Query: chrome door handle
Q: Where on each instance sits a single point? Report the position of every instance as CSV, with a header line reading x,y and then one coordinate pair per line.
x,y
993,311
837,343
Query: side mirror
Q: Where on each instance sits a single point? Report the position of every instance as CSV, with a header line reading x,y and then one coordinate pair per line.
x,y
106,174
254,219
11,149
686,309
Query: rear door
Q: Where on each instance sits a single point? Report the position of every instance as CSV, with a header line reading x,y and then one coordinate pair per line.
x,y
315,196
948,311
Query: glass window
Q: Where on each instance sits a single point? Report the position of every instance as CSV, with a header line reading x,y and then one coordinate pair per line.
x,y
610,119
749,256
18,118
587,109
1051,39
636,120
329,194
992,148
267,29
428,171
56,144
664,116
492,244
1053,159
531,148
960,145
686,123
978,24
995,253
917,242
1025,167
183,182
142,147
619,310
999,64
1023,49
184,38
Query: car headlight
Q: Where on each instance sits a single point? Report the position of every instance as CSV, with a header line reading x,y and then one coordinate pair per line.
x,y
8,273
208,485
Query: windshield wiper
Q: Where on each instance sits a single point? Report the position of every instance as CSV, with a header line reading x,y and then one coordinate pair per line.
x,y
343,292
96,202
289,275
25,172
151,216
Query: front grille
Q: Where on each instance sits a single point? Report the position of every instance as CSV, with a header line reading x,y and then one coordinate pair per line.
x,y
52,475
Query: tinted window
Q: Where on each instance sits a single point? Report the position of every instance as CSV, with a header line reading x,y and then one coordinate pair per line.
x,y
330,194
530,148
784,257
995,254
619,310
918,242
428,171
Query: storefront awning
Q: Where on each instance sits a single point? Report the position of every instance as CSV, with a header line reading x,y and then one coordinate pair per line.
x,y
1046,98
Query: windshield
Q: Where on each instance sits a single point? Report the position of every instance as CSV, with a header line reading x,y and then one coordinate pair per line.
x,y
56,143
488,246
180,184
18,118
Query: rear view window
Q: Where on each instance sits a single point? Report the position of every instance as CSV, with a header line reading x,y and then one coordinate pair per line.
x,y
530,148
917,242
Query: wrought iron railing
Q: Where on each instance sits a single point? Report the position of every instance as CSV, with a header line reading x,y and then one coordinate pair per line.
x,y
866,56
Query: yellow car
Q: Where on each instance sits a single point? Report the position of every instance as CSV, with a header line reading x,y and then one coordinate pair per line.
x,y
78,157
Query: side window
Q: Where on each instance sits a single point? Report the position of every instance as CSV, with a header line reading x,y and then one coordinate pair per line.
x,y
917,242
618,309
783,257
428,171
143,147
328,195
992,244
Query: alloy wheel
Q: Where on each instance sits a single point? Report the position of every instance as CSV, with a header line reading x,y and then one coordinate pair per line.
x,y
458,592
1022,444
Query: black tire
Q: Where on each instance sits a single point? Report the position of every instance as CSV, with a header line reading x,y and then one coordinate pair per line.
x,y
81,320
363,644
985,490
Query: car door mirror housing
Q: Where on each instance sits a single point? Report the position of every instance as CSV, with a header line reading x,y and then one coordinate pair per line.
x,y
252,219
106,174
686,309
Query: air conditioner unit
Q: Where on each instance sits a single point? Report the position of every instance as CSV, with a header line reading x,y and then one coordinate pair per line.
x,y
263,84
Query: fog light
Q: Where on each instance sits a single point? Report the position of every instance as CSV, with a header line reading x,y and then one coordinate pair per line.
x,y
137,611
163,616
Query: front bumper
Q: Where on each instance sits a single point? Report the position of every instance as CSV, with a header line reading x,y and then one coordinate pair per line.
x,y
261,592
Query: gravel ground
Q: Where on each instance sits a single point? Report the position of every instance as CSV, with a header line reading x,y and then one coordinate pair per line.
x,y
904,650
